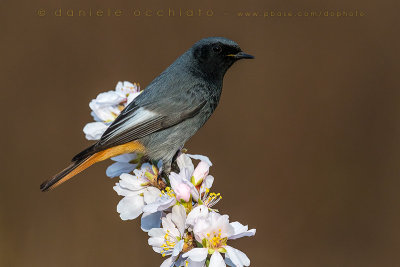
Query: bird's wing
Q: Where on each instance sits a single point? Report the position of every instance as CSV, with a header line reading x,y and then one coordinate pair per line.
x,y
137,121
143,121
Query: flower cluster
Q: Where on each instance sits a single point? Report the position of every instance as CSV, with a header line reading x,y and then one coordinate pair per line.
x,y
105,109
177,212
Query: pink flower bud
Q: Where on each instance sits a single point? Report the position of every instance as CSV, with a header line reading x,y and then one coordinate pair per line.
x,y
200,172
182,191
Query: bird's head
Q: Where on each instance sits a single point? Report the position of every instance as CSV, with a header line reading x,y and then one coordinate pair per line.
x,y
215,55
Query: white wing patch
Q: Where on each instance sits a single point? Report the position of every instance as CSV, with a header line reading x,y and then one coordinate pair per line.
x,y
139,116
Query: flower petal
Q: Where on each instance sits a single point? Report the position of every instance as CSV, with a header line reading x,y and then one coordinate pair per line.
x,y
122,191
108,98
237,257
94,130
175,179
200,172
200,157
160,204
128,157
214,222
195,263
196,213
240,230
182,191
168,225
217,260
131,182
184,162
228,261
157,232
131,207
207,184
150,220
178,248
95,118
156,241
159,250
168,262
118,168
197,254
151,194
179,218
104,109
132,96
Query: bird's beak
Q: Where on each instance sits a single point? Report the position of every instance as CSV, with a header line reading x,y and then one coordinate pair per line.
x,y
241,55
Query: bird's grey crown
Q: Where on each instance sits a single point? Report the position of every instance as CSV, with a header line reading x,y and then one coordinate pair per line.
x,y
187,60
212,40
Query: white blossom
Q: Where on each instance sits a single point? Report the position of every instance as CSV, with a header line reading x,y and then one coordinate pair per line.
x,y
213,232
169,240
200,172
94,130
127,90
124,163
176,212
180,190
137,190
107,106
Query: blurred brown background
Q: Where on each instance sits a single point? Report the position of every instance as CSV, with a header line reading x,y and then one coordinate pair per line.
x,y
305,142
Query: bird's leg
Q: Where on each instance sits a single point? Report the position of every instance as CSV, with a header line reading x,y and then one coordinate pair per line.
x,y
174,164
175,167
162,180
163,177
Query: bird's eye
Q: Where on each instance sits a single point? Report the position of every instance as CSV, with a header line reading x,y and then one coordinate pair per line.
x,y
217,49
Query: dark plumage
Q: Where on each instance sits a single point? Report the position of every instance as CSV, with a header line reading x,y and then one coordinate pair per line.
x,y
172,107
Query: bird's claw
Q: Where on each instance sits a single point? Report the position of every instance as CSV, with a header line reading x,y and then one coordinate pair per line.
x,y
160,181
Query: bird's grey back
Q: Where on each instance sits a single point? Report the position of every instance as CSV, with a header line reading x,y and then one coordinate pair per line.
x,y
179,82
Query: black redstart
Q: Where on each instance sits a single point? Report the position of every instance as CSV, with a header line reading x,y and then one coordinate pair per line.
x,y
167,113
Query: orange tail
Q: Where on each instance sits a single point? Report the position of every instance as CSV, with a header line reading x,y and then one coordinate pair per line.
x,y
82,164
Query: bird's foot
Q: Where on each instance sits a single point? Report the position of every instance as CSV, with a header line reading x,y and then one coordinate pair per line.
x,y
175,167
162,181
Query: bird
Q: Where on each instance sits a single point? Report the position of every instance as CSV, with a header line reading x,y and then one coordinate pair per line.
x,y
169,111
